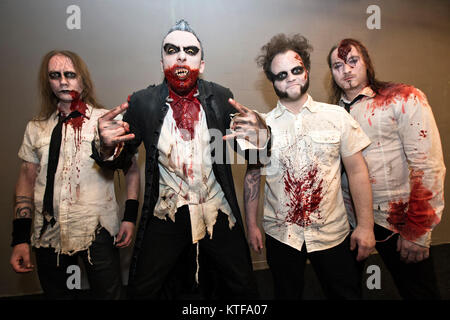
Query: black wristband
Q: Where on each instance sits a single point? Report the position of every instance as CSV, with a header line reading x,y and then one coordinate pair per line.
x,y
21,231
131,210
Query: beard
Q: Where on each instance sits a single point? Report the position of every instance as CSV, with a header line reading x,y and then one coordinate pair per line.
x,y
285,96
181,86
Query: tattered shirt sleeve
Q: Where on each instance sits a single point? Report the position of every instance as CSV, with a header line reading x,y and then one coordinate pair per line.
x,y
27,149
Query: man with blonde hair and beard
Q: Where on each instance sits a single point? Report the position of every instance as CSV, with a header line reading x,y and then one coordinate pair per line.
x,y
72,199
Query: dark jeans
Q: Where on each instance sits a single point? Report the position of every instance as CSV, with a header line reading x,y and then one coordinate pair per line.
x,y
164,248
415,281
103,274
336,269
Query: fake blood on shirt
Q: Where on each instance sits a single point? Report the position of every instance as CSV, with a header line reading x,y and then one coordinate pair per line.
x,y
305,195
77,122
415,217
186,113
390,94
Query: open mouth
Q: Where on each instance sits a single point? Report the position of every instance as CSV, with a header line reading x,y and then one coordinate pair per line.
x,y
181,73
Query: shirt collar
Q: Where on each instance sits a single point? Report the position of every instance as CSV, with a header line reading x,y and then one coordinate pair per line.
x,y
84,112
367,91
173,96
309,104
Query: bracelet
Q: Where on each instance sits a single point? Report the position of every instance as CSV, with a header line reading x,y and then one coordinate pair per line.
x,y
21,231
131,210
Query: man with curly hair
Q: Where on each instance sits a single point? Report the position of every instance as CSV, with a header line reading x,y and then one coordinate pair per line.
x,y
304,213
405,164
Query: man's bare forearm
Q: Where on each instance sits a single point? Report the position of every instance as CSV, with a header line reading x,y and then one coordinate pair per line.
x,y
132,178
252,182
24,195
23,207
360,189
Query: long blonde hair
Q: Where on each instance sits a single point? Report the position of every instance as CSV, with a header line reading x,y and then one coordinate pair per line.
x,y
48,100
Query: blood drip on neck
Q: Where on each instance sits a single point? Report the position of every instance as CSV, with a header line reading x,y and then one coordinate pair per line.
x,y
77,105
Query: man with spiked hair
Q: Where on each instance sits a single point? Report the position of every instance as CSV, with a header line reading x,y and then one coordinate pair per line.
x,y
189,191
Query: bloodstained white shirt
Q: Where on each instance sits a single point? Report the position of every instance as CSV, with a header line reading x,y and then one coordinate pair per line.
x,y
84,195
303,199
187,178
405,160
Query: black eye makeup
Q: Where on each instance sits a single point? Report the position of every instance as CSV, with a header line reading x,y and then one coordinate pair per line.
x,y
191,50
283,74
337,65
352,61
54,75
171,49
297,70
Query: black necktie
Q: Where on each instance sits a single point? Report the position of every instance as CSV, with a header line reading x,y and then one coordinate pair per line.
x,y
347,105
53,157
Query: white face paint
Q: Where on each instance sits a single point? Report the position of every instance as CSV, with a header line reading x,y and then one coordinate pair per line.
x,y
350,74
290,75
63,78
181,60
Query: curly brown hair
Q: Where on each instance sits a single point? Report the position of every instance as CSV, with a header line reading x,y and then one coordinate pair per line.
x,y
281,43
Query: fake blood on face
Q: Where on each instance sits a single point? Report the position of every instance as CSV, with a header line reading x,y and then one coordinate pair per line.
x,y
297,57
343,50
181,85
305,196
416,217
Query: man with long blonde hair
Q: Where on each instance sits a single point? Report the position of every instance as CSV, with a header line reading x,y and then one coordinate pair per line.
x,y
72,199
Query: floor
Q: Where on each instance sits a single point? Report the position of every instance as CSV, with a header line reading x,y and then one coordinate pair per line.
x,y
313,290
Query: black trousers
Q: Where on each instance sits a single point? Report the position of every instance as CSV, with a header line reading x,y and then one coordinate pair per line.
x,y
336,269
414,281
163,254
103,274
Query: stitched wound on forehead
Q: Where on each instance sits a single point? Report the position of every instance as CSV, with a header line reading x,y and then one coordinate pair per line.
x,y
344,49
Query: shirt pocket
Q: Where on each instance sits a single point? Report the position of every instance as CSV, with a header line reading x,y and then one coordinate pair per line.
x,y
280,145
325,145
